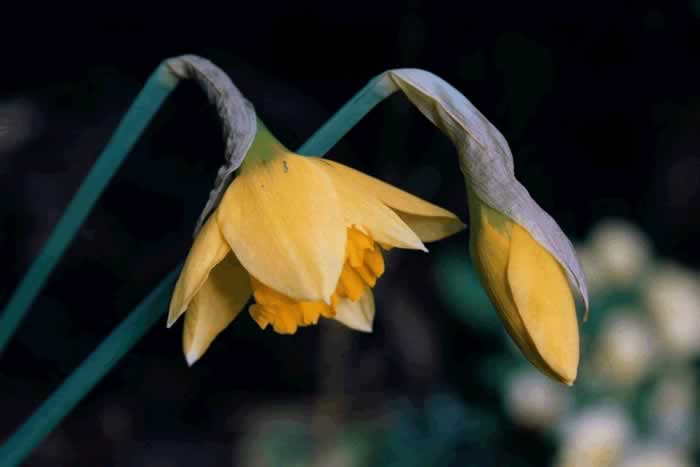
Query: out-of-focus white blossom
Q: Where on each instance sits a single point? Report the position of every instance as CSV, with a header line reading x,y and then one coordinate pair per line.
x,y
672,296
626,347
672,407
593,269
656,456
535,401
622,251
595,438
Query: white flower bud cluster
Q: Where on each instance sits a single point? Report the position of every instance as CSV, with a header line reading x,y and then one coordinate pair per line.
x,y
672,408
617,255
596,437
655,456
672,297
626,347
535,401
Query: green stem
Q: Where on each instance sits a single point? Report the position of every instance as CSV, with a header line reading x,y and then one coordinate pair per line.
x,y
345,119
141,319
145,106
88,374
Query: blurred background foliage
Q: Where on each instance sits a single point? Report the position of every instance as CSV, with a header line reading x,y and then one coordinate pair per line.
x,y
601,109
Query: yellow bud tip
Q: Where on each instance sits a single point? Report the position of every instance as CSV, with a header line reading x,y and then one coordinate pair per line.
x,y
191,357
567,377
563,371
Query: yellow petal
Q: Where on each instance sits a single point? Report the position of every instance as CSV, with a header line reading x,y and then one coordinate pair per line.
x,y
430,229
357,315
362,208
544,299
428,221
282,219
216,304
489,245
208,249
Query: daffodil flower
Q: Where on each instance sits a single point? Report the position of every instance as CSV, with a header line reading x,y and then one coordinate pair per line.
x,y
304,237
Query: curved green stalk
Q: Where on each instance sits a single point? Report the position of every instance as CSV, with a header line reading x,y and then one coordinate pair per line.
x,y
87,375
145,106
344,119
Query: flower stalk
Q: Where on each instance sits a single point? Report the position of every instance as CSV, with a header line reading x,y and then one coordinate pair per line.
x,y
158,87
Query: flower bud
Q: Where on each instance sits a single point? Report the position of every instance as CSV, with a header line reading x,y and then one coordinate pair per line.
x,y
529,289
525,262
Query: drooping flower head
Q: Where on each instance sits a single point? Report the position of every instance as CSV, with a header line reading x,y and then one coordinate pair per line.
x,y
304,236
525,262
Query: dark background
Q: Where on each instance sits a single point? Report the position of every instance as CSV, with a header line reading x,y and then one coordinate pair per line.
x,y
600,107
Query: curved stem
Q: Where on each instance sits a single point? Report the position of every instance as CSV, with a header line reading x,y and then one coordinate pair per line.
x,y
347,117
88,374
159,85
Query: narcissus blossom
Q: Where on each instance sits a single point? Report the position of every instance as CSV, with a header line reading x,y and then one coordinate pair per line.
x,y
304,237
